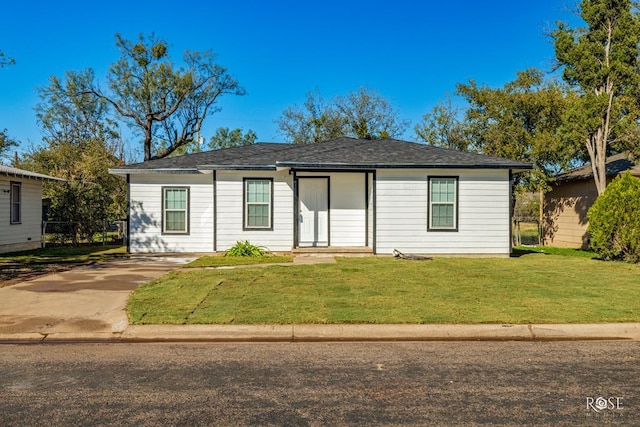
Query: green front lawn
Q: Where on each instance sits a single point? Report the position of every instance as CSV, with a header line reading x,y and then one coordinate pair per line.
x,y
528,288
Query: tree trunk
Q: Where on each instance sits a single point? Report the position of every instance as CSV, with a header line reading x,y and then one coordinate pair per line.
x,y
147,141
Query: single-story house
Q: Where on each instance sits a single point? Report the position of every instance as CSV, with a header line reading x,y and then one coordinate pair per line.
x,y
21,208
572,194
344,193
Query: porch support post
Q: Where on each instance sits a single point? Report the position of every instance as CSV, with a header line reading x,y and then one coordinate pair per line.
x,y
295,210
366,209
374,204
128,233
215,211
511,205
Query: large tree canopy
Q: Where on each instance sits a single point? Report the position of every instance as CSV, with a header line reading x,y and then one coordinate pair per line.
x,y
5,60
165,103
519,121
361,114
5,141
225,138
443,127
5,144
80,147
600,62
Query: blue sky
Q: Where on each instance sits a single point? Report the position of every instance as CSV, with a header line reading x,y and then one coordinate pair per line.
x,y
412,52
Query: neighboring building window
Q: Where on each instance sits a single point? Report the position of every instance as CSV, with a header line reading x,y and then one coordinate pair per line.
x,y
258,203
16,202
443,203
175,206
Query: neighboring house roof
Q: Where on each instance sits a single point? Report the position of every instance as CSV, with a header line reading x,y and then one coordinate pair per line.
x,y
21,173
337,153
614,165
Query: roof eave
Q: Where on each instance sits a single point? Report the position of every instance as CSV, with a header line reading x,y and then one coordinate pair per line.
x,y
38,177
236,167
303,165
133,171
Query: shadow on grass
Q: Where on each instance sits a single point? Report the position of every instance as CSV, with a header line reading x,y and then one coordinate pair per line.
x,y
21,266
519,251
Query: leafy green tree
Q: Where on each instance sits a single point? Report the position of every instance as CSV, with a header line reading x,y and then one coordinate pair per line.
x,y
80,145
90,196
442,127
363,114
5,60
520,121
225,138
600,62
166,104
315,121
6,143
64,114
614,223
367,115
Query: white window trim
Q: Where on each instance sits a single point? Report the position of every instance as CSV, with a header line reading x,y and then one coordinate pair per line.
x,y
165,210
246,225
13,202
454,227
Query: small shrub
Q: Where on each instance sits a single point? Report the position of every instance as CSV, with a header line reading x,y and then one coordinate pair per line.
x,y
614,220
246,249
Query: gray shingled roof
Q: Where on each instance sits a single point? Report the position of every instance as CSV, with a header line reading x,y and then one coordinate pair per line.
x,y
338,153
9,171
614,166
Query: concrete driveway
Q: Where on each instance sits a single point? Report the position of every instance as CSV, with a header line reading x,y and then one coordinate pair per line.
x,y
82,303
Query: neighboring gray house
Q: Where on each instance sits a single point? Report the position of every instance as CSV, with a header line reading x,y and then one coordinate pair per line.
x,y
21,208
367,195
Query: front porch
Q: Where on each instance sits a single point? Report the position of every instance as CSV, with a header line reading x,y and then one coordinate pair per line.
x,y
334,212
332,251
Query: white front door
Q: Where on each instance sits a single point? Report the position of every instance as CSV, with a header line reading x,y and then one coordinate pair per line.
x,y
313,216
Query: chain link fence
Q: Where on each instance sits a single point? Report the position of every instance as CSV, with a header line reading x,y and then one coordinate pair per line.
x,y
527,231
63,233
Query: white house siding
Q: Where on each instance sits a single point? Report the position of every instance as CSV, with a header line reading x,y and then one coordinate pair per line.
x,y
146,213
483,213
27,234
230,211
347,209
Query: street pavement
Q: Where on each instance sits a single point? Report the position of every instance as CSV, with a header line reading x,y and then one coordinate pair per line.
x,y
88,304
321,384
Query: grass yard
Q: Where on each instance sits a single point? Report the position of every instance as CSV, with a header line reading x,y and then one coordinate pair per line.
x,y
224,261
19,266
528,288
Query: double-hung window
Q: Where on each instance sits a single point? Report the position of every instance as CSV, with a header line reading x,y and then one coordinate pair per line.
x,y
258,201
443,203
175,210
16,202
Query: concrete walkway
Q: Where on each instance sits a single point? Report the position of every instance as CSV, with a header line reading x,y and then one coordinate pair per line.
x,y
85,303
88,304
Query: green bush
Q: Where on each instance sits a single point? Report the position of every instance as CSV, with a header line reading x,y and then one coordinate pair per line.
x,y
246,249
614,220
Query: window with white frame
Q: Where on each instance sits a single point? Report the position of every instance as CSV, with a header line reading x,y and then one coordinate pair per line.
x,y
175,210
443,203
16,202
258,198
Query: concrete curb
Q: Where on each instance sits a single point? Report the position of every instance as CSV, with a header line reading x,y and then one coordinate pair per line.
x,y
328,333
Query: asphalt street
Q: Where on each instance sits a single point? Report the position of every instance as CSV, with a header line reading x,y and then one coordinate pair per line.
x,y
298,384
